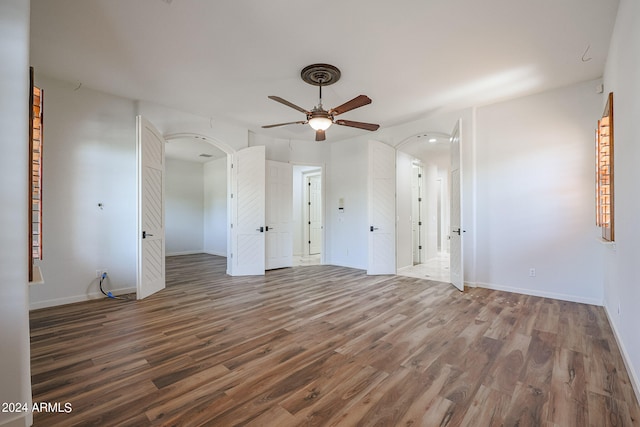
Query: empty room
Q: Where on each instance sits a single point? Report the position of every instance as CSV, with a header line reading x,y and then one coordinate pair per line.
x,y
293,214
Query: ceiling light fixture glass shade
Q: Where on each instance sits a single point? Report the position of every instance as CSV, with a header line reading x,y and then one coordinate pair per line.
x,y
320,123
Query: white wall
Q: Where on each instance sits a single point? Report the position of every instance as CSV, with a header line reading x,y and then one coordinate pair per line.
x,y
184,207
215,207
89,158
621,281
307,152
535,195
15,383
347,231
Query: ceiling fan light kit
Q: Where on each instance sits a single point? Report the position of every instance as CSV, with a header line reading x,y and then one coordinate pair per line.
x,y
320,122
318,118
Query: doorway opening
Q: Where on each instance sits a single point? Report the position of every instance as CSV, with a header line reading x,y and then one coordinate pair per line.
x,y
308,215
196,195
423,206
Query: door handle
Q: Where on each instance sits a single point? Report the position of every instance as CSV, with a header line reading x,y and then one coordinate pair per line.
x,y
145,234
267,228
260,229
456,231
373,228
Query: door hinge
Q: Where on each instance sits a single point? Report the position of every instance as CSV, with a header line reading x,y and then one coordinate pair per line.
x,y
231,225
419,199
309,222
232,195
419,222
231,254
309,241
419,175
420,247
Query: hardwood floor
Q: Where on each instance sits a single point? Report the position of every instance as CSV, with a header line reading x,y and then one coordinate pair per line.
x,y
322,345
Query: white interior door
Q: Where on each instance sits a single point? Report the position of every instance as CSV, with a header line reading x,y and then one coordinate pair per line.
x,y
248,212
314,205
456,232
382,209
279,215
150,248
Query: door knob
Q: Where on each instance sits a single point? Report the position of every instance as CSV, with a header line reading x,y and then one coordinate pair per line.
x,y
456,231
260,229
145,234
373,228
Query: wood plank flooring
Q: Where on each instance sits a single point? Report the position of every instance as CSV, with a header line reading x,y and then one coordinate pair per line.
x,y
327,346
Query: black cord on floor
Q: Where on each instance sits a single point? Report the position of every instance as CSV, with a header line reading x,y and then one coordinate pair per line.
x,y
109,294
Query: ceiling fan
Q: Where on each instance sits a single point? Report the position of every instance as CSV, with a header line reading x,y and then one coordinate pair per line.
x,y
319,118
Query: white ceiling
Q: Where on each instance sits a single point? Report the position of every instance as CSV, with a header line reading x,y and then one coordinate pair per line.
x,y
192,150
412,57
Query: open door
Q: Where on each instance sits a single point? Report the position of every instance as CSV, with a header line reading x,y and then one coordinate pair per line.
x,y
248,212
382,209
150,250
279,215
456,265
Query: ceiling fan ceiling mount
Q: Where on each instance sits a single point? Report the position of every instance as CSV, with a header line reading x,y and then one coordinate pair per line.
x,y
320,74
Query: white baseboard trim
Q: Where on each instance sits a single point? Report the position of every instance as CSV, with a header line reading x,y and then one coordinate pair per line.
x,y
537,293
216,253
78,298
635,383
197,252
22,420
184,253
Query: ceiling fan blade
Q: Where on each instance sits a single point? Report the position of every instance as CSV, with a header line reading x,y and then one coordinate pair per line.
x,y
356,102
300,122
359,125
288,104
320,136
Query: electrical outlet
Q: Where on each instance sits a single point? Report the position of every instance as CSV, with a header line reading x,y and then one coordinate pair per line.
x,y
104,271
98,274
532,272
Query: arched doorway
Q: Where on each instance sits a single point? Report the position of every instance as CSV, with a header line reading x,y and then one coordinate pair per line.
x,y
423,202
